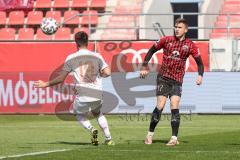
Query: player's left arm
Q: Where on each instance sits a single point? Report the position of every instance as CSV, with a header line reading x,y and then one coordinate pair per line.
x,y
198,59
105,70
200,69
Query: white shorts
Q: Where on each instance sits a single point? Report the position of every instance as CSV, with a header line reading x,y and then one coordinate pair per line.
x,y
85,107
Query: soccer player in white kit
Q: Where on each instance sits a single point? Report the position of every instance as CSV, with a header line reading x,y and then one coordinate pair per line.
x,y
87,68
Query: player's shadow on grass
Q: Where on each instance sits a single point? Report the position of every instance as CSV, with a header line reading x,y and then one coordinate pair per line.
x,y
26,147
72,143
160,141
164,141
234,144
64,142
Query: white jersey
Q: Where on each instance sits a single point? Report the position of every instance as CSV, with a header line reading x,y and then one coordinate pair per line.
x,y
86,66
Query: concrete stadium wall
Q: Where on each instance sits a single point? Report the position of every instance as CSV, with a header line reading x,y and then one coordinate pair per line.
x,y
158,7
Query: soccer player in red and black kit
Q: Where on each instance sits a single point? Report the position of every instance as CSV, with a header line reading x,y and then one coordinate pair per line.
x,y
176,50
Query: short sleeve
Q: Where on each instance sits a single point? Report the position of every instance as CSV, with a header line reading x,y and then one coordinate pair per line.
x,y
160,43
102,63
67,65
194,50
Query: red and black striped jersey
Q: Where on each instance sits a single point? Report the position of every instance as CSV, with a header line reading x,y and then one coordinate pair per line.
x,y
175,54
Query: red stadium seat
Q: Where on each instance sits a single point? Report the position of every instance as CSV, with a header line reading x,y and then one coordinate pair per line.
x,y
231,2
63,33
79,4
69,14
219,30
118,34
118,37
122,18
16,18
61,4
218,35
25,34
54,14
7,34
231,18
234,30
81,29
41,36
34,18
2,18
90,17
99,5
43,4
220,24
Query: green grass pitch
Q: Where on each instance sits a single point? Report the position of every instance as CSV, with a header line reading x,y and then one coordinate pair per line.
x,y
202,137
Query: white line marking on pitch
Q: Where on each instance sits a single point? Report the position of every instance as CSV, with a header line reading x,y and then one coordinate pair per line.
x,y
34,153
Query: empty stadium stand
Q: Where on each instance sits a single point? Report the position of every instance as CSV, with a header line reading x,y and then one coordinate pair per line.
x,y
21,22
54,14
228,20
42,4
89,17
79,5
85,29
61,4
127,21
68,15
63,33
99,5
41,36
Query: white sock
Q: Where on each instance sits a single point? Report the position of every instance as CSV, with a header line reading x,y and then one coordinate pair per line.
x,y
84,122
174,137
150,134
102,121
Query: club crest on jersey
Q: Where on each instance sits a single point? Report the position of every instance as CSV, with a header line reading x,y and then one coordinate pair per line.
x,y
185,48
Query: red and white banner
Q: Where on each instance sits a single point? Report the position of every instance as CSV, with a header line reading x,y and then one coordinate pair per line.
x,y
23,63
128,56
16,4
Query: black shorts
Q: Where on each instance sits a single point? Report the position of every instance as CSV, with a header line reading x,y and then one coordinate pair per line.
x,y
167,87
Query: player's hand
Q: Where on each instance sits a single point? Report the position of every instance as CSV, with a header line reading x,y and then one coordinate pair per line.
x,y
144,72
40,84
199,80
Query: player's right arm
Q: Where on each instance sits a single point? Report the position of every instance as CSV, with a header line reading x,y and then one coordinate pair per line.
x,y
157,46
144,70
59,79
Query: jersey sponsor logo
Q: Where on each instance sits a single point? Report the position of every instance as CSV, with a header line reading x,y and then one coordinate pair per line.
x,y
175,54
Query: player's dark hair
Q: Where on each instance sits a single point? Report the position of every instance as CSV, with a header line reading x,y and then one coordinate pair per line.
x,y
181,20
81,39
